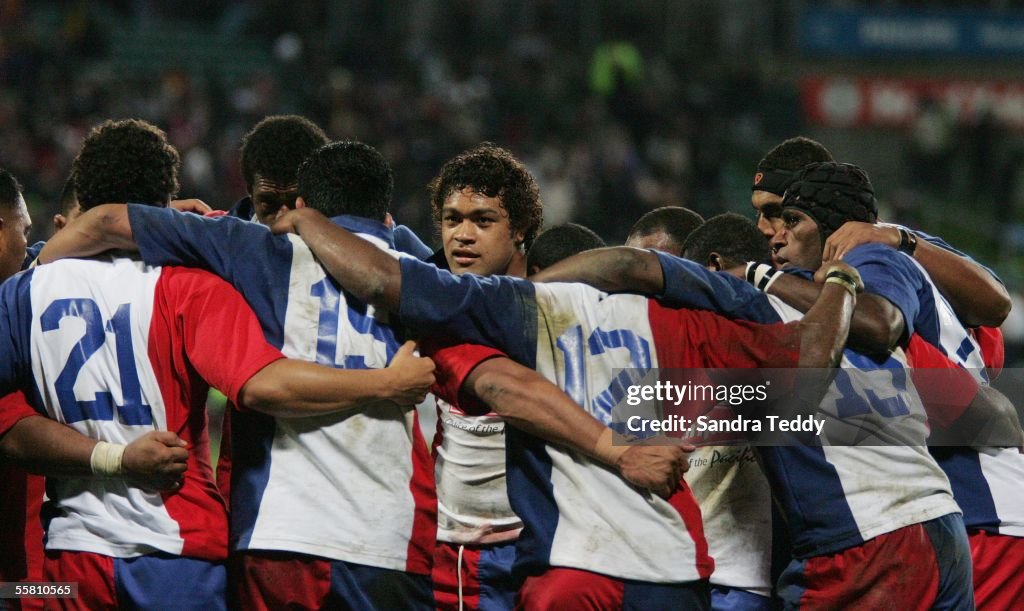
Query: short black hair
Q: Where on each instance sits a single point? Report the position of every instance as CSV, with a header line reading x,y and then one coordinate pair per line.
x,y
125,161
793,154
494,172
347,177
557,243
10,189
733,236
276,146
676,221
68,197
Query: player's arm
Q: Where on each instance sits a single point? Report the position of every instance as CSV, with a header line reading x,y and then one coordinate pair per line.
x,y
290,388
614,269
157,460
528,401
105,227
225,344
825,327
960,410
367,272
877,324
97,230
977,297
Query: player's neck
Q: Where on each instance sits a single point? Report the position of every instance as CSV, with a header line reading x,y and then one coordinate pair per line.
x,y
517,265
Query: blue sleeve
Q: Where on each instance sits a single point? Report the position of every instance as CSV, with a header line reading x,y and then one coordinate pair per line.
x,y
15,325
221,245
690,285
497,311
245,254
937,241
408,242
890,274
32,253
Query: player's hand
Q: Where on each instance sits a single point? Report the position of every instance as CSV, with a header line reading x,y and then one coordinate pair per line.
x,y
412,375
190,205
657,468
849,270
288,222
852,234
156,461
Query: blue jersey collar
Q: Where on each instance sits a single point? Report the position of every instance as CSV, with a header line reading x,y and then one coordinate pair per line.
x,y
359,224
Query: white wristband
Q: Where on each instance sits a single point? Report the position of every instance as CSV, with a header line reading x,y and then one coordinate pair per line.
x,y
106,459
761,275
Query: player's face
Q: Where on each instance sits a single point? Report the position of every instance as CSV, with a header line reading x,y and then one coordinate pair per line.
x,y
14,238
270,199
768,207
477,234
798,241
659,240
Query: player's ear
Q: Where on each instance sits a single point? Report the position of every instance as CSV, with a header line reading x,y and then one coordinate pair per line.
x,y
519,238
389,220
715,262
299,202
59,222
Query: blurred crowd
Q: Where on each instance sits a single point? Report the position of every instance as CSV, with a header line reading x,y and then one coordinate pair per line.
x,y
616,109
609,133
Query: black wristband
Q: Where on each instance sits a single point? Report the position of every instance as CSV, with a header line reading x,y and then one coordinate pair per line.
x,y
842,276
908,242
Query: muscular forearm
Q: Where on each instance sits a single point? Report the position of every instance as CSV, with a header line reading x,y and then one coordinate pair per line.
x,y
977,298
876,326
614,269
288,388
100,229
825,327
40,445
529,402
366,271
990,420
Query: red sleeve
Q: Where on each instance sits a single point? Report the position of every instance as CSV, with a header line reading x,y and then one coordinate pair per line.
x,y
454,364
222,338
945,388
13,408
699,339
990,340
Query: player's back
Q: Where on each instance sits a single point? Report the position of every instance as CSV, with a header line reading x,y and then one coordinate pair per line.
x,y
103,344
373,468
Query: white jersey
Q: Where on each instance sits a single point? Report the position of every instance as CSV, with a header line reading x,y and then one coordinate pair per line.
x,y
469,470
355,486
106,346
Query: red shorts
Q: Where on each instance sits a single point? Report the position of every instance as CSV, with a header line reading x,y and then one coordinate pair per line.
x,y
558,589
481,579
153,581
279,580
921,566
998,570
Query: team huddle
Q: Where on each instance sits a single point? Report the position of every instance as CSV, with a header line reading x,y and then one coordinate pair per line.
x,y
306,304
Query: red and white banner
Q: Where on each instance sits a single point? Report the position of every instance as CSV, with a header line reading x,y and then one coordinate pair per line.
x,y
857,101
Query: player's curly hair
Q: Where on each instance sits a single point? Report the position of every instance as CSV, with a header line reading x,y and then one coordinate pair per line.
x,y
10,189
347,177
125,161
276,146
733,236
492,171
